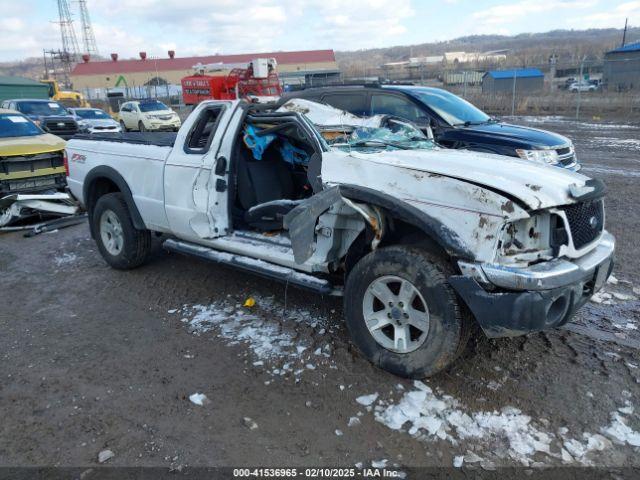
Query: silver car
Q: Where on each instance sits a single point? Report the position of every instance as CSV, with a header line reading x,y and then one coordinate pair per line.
x,y
94,120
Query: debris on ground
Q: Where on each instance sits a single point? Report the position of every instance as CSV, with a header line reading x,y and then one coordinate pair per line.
x,y
19,206
249,302
199,399
249,423
105,455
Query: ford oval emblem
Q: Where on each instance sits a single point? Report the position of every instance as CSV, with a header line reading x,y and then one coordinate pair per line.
x,y
61,124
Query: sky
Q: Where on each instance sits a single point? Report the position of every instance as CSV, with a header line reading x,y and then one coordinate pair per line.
x,y
206,27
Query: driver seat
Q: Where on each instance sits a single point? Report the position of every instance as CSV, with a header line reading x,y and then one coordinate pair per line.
x,y
265,188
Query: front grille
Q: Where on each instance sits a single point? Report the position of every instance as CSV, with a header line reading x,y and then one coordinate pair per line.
x,y
30,163
586,221
566,155
67,127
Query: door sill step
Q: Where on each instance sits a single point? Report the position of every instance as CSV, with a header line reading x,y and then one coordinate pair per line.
x,y
253,265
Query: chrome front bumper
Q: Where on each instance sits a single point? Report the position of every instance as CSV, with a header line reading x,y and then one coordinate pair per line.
x,y
547,275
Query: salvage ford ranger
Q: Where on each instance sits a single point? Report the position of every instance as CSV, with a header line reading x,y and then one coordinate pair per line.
x,y
420,241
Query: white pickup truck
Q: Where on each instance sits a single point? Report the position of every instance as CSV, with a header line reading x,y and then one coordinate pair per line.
x,y
421,241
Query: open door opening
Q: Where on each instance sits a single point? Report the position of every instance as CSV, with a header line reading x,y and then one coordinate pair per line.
x,y
271,161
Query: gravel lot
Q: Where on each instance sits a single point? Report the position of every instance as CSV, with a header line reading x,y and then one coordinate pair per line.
x,y
97,359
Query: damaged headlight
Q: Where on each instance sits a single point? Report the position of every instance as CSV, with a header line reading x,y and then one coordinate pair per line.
x,y
548,157
527,239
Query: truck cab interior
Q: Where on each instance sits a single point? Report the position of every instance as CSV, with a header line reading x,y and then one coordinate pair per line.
x,y
271,160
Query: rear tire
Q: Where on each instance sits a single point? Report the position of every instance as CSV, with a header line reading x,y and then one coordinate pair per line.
x,y
121,244
434,325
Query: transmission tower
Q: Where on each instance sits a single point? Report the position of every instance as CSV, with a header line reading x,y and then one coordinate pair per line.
x,y
67,32
70,53
88,38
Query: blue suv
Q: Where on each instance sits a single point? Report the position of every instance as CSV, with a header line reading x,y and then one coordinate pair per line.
x,y
455,122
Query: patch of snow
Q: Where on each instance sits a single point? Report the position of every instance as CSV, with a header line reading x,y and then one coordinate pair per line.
x,y
620,432
429,416
172,311
623,296
379,463
199,399
493,385
339,432
353,421
266,329
65,259
105,455
367,400
249,423
458,461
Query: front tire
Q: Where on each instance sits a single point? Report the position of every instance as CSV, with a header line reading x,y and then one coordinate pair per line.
x,y
121,244
141,126
402,313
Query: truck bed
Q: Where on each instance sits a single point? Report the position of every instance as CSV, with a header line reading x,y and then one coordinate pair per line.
x,y
160,139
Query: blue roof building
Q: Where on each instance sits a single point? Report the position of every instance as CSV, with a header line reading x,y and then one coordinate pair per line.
x,y
518,73
527,80
621,71
632,47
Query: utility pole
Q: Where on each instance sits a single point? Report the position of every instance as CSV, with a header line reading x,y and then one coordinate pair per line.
x,y
624,33
88,38
580,80
513,94
464,84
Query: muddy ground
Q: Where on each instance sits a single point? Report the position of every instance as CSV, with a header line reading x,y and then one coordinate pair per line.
x,y
95,359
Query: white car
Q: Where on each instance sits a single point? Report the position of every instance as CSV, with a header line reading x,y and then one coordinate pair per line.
x,y
148,116
582,87
420,241
94,120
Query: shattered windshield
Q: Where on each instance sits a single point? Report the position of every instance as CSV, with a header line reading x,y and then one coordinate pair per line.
x,y
395,135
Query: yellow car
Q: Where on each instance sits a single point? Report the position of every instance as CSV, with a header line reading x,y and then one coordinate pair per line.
x,y
30,159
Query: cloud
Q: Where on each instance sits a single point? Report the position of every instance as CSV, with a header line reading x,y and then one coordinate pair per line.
x,y
508,13
613,17
361,23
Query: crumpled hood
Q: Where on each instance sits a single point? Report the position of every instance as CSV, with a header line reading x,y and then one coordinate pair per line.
x,y
536,185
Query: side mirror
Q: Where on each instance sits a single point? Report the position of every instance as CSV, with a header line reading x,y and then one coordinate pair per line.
x,y
221,166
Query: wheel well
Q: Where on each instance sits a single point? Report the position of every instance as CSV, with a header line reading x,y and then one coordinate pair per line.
x,y
397,232
99,187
